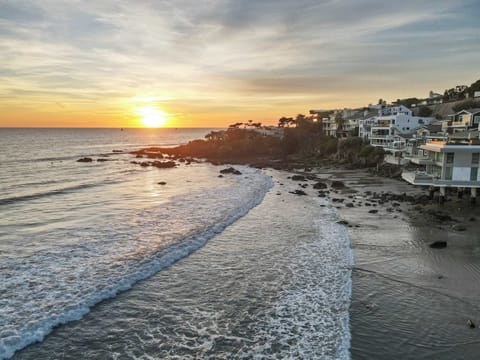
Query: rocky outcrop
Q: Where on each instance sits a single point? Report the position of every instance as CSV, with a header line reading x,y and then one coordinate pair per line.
x,y
337,184
230,170
298,192
298,178
319,185
157,164
438,245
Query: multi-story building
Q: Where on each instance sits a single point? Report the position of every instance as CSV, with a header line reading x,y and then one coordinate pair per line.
x,y
450,163
391,127
462,121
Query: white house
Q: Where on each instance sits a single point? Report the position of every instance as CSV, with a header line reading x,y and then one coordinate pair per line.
x,y
390,128
451,163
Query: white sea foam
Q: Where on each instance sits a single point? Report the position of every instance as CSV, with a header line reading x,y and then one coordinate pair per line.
x,y
311,317
66,277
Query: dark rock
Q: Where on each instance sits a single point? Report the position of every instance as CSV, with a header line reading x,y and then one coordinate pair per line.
x,y
139,156
471,219
164,164
85,159
439,215
298,192
342,222
438,245
162,183
319,185
336,184
373,211
470,324
298,178
220,176
230,170
117,151
349,205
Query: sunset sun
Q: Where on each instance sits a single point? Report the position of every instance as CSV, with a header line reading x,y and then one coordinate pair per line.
x,y
152,117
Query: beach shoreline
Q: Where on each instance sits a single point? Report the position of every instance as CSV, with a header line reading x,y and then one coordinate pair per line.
x,y
409,300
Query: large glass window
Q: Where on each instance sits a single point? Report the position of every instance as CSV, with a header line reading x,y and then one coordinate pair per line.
x,y
450,158
474,174
475,158
448,173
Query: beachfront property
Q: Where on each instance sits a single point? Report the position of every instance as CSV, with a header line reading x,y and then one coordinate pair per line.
x,y
330,125
462,121
422,135
392,127
336,123
450,163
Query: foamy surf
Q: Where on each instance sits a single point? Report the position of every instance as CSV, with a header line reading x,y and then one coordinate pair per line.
x,y
66,277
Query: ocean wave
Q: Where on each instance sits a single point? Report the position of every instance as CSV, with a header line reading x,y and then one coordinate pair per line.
x,y
54,192
76,287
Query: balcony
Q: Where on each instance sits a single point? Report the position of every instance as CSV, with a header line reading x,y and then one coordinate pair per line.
x,y
418,178
420,160
424,179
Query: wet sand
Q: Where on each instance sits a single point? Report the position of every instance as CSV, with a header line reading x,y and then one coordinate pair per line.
x,y
410,301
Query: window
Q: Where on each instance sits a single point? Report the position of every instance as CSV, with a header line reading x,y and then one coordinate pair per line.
x,y
450,158
474,174
393,121
475,158
448,173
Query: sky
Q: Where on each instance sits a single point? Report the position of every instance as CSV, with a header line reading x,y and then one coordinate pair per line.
x,y
211,63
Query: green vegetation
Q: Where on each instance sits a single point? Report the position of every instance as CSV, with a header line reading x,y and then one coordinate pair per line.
x,y
303,144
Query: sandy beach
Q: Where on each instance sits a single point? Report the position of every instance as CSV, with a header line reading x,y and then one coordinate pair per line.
x,y
410,301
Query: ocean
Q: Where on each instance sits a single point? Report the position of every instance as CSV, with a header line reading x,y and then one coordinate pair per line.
x,y
99,260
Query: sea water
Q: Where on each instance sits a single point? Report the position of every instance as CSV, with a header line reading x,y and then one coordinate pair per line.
x,y
268,274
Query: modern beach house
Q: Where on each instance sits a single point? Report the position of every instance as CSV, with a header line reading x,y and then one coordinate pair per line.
x,y
450,163
393,125
462,121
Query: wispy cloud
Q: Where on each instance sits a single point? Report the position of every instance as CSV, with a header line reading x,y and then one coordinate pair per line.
x,y
224,53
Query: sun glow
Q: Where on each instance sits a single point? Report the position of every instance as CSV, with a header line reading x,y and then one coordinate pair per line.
x,y
152,117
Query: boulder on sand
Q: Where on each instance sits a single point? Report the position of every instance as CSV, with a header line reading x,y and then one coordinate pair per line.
x,y
319,185
85,159
298,178
337,184
230,170
298,192
438,245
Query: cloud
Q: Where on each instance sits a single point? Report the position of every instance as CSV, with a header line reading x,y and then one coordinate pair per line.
x,y
112,51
